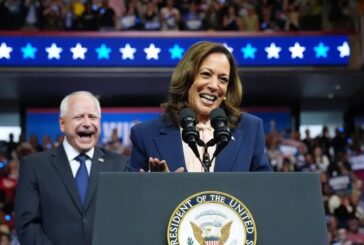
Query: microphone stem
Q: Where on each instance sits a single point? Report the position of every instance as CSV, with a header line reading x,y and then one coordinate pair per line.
x,y
206,162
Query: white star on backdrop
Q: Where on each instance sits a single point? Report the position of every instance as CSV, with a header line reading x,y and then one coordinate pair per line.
x,y
54,51
127,52
297,51
228,47
78,52
152,52
5,51
344,50
273,51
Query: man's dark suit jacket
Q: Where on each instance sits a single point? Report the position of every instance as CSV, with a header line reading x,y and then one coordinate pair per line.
x,y
245,152
48,207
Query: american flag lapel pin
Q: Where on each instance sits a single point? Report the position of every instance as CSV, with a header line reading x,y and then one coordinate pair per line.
x,y
101,160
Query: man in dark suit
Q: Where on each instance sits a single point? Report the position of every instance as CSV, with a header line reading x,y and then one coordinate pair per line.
x,y
56,193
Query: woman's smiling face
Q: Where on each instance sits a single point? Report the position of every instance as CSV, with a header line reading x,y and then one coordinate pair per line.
x,y
209,86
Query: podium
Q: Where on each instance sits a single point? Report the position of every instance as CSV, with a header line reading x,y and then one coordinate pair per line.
x,y
138,208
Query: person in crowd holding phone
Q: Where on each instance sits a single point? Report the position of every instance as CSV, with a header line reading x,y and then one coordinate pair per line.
x,y
205,79
56,192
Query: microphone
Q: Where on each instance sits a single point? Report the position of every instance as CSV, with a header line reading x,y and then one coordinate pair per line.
x,y
190,135
222,134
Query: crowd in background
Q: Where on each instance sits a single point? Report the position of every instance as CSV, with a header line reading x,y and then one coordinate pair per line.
x,y
339,159
189,15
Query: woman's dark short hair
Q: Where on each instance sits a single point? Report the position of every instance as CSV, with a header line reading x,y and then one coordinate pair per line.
x,y
184,75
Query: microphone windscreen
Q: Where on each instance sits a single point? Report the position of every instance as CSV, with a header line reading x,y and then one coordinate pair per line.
x,y
216,115
186,113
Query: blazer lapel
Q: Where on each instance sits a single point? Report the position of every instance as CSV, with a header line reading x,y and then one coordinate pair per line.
x,y
96,167
61,164
169,138
226,158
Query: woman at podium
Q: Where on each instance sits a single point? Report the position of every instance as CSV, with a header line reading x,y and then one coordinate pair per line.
x,y
202,128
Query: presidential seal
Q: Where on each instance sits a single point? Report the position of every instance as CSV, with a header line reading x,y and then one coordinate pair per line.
x,y
211,218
